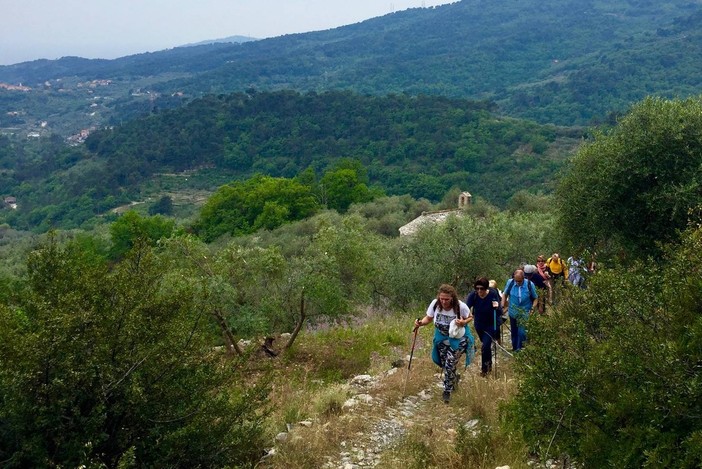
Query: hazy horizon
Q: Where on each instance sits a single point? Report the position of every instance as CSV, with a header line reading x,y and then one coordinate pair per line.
x,y
43,29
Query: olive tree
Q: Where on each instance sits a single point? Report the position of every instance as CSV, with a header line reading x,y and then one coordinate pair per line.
x,y
461,249
249,288
632,189
108,365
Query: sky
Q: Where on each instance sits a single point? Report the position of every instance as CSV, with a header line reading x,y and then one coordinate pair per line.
x,y
49,29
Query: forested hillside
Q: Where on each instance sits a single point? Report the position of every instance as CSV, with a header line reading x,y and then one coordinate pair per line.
x,y
127,345
420,146
556,61
228,327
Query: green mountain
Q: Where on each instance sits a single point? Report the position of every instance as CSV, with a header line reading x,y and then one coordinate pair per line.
x,y
430,100
565,62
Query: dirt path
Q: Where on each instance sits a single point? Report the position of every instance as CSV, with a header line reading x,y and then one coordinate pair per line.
x,y
385,410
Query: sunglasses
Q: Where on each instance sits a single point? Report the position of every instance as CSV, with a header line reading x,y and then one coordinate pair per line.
x,y
480,288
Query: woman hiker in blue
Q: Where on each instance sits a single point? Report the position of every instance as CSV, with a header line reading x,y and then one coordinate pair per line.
x,y
451,336
519,297
484,303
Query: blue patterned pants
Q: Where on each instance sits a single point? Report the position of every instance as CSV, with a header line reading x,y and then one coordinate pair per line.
x,y
449,358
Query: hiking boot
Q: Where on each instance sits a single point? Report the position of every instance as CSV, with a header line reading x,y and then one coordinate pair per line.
x,y
446,397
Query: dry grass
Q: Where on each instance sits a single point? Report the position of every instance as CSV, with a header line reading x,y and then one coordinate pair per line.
x,y
309,447
436,435
465,433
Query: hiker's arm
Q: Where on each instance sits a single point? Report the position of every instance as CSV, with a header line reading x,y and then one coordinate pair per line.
x,y
497,307
464,321
536,296
424,321
466,315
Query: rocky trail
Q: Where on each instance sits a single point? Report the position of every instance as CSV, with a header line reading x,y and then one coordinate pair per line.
x,y
384,410
387,425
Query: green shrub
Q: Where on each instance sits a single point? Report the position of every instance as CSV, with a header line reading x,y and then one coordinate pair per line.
x,y
105,366
612,378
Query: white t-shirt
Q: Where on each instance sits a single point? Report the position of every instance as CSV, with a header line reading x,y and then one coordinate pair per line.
x,y
442,317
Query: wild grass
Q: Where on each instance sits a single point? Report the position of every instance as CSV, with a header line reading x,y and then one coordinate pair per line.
x,y
312,384
337,354
466,433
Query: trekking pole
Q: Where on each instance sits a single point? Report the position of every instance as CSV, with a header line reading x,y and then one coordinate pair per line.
x,y
409,365
414,341
494,339
506,351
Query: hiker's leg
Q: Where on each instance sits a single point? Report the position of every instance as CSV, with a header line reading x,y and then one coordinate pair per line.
x,y
514,332
486,351
541,301
521,330
557,289
449,369
443,349
458,356
522,337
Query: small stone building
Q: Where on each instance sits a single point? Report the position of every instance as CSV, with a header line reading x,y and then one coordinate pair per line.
x,y
10,202
465,199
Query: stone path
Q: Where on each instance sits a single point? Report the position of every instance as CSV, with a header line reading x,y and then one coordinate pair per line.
x,y
389,425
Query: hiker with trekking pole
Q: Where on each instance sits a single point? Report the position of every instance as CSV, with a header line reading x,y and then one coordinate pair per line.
x,y
452,338
484,304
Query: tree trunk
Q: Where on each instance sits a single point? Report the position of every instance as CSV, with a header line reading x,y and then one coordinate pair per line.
x,y
232,345
300,322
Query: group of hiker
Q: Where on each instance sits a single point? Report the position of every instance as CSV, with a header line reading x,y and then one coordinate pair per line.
x,y
530,288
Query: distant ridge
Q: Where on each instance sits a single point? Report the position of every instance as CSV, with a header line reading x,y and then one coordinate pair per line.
x,y
565,62
229,39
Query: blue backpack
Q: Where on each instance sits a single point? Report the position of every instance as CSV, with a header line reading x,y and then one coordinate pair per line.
x,y
530,287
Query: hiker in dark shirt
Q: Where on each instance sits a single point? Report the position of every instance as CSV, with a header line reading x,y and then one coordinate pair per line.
x,y
531,273
484,303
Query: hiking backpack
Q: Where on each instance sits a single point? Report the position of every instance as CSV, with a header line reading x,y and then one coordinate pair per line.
x,y
530,286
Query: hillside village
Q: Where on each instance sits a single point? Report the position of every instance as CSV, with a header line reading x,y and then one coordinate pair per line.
x,y
87,106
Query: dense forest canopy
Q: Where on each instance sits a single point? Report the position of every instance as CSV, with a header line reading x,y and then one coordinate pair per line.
x,y
125,343
283,133
421,146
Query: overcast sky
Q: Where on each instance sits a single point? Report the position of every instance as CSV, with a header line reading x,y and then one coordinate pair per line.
x,y
33,29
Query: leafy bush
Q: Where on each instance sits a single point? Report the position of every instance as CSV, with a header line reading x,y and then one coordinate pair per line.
x,y
261,202
612,378
131,228
483,242
632,189
107,367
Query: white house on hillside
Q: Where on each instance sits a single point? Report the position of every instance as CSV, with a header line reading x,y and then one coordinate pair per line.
x,y
465,199
10,202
